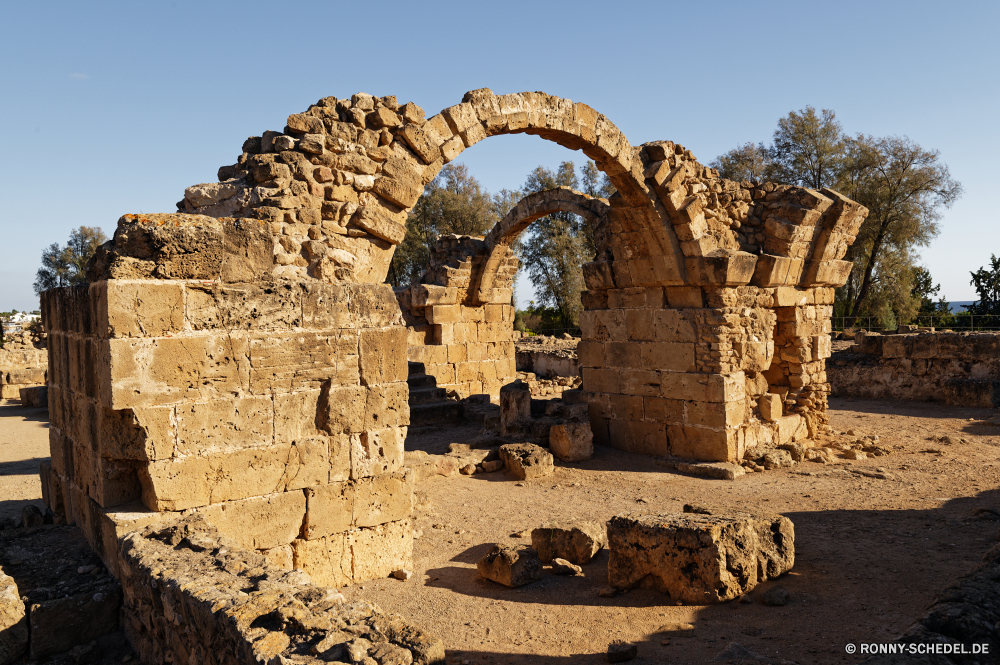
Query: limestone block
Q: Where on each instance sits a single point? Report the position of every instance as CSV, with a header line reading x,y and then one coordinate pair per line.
x,y
699,559
382,356
703,387
280,557
681,297
326,560
261,522
703,443
576,542
376,452
790,428
526,460
715,414
428,294
572,442
208,427
511,565
13,621
189,482
515,407
378,551
770,407
151,372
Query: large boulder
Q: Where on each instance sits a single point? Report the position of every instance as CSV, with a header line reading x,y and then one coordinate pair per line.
x,y
577,542
572,442
526,460
511,565
699,559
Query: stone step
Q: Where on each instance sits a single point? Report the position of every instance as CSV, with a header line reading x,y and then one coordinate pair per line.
x,y
426,395
421,381
435,412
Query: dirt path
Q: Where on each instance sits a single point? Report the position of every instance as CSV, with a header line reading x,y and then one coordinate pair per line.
x,y
870,553
24,442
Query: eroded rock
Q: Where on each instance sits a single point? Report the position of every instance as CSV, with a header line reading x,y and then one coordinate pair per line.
x,y
511,565
572,442
699,559
576,542
526,460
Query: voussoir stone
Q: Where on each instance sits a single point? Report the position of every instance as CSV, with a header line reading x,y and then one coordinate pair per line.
x,y
526,460
699,559
511,565
577,542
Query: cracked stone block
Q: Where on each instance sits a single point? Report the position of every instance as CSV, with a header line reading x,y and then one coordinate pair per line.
x,y
577,542
511,565
699,559
572,442
526,460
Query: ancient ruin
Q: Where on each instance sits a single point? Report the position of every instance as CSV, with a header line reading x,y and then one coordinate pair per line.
x,y
243,360
23,363
252,363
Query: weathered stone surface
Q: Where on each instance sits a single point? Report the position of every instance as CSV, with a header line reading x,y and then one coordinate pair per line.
x,y
572,442
564,567
699,559
526,460
189,570
577,542
13,621
511,565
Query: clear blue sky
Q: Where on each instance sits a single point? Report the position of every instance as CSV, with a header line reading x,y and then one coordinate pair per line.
x,y
114,108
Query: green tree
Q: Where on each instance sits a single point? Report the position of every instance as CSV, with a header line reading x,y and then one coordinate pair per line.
x,y
454,202
905,188
67,265
751,162
807,149
987,285
555,247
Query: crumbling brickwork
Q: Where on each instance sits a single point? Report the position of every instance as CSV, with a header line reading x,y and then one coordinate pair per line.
x,y
186,377
193,596
955,368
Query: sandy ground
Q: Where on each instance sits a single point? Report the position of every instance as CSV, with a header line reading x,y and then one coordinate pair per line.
x,y
871,554
24,442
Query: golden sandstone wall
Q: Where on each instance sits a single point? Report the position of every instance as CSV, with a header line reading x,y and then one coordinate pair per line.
x,y
276,409
245,359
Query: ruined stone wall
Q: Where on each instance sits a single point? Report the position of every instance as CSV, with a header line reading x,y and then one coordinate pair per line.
x,y
467,344
188,378
23,363
193,596
962,369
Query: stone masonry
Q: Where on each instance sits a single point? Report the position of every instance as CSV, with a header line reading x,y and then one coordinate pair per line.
x,y
187,377
956,368
245,360
23,363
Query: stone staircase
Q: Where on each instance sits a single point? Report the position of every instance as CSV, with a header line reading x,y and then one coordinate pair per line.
x,y
429,405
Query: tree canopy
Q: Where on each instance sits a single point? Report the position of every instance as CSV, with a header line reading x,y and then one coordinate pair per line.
x,y
67,265
904,186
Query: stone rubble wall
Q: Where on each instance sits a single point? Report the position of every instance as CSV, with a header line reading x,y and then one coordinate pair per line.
x,y
962,369
193,595
187,378
23,363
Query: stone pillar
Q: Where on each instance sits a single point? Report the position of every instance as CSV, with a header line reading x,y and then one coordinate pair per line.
x,y
192,380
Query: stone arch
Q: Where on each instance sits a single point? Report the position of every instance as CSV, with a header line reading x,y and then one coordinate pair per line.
x,y
527,210
338,183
